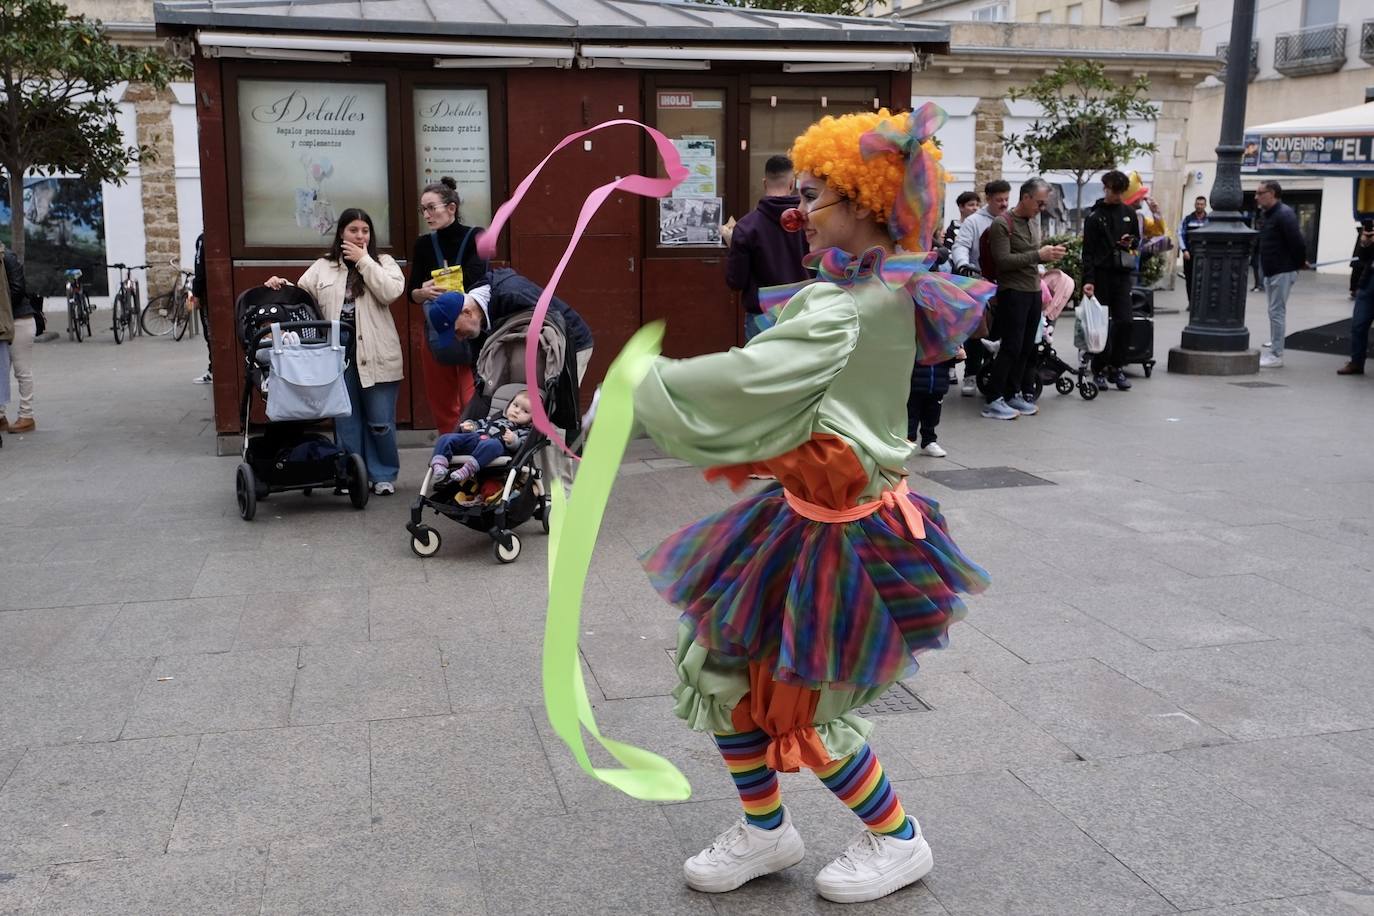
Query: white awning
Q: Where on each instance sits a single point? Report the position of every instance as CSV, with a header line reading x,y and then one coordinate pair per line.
x,y
340,48
1358,119
1332,143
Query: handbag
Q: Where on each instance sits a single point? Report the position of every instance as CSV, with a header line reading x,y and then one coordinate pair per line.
x,y
457,353
307,381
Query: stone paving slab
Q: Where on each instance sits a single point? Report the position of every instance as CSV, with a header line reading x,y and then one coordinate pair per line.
x,y
1098,712
311,618
1265,605
1355,902
482,766
1244,700
1044,628
87,701
248,788
176,627
119,798
1342,670
1183,834
424,870
48,636
221,883
234,691
1161,620
370,680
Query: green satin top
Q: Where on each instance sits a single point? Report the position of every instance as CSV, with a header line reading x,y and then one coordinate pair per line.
x,y
838,361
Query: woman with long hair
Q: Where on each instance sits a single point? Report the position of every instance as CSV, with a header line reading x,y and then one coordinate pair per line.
x,y
448,243
810,598
355,285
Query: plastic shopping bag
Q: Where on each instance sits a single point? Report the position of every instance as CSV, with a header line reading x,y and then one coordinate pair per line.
x,y
1090,327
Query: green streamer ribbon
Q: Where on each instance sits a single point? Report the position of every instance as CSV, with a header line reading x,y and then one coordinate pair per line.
x,y
573,529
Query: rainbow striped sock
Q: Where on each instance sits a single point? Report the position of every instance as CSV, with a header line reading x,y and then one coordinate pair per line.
x,y
859,781
756,782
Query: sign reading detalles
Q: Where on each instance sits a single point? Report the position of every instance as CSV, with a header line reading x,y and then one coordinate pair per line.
x,y
453,138
310,150
696,120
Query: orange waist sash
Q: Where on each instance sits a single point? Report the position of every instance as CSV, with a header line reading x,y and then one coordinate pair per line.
x,y
891,499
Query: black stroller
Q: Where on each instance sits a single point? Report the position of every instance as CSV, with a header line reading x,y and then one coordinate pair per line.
x,y
1051,369
287,455
512,489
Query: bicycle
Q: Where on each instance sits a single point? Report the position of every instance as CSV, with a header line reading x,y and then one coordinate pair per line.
x,y
79,307
167,313
125,306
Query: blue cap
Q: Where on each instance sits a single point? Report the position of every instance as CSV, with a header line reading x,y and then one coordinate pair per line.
x,y
443,311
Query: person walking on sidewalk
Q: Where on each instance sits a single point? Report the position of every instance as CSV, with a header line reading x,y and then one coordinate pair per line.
x,y
24,325
1195,220
1111,242
1363,316
200,300
1017,252
1283,252
761,252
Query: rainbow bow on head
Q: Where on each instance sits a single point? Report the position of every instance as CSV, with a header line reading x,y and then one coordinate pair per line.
x,y
919,206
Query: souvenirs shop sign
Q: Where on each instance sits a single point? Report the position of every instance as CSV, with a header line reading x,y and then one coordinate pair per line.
x,y
1308,153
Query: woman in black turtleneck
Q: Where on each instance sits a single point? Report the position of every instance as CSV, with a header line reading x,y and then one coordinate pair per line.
x,y
449,388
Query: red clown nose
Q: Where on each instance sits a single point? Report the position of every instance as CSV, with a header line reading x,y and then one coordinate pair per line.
x,y
792,220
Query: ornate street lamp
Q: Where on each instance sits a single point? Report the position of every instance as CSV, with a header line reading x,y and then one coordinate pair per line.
x,y
1216,341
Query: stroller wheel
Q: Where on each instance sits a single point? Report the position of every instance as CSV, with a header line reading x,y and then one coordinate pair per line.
x,y
356,473
426,542
1063,384
1087,391
503,553
545,507
1149,368
245,491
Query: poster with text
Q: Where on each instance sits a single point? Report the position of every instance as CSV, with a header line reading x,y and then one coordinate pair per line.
x,y
310,150
453,138
64,228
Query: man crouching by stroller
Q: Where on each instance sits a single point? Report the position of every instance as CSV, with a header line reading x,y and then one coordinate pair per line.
x,y
482,441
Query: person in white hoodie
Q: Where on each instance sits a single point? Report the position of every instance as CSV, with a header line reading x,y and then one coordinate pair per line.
x,y
964,256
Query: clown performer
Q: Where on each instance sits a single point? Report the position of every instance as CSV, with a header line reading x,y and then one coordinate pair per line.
x,y
809,599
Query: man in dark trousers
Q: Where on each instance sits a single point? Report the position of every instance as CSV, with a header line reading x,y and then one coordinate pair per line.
x,y
1111,239
200,300
1363,316
1017,250
1283,252
1195,220
761,252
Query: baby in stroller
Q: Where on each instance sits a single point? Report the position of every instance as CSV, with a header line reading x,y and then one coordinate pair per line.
x,y
482,441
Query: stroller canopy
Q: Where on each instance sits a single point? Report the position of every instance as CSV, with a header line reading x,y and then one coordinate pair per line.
x,y
502,358
261,306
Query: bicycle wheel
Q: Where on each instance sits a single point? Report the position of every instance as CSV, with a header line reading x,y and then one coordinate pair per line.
x,y
73,318
181,316
134,309
117,312
86,311
157,316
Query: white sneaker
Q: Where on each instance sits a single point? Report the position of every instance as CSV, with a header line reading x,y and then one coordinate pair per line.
x,y
1270,361
874,866
933,450
998,410
969,387
205,379
384,488
992,346
743,853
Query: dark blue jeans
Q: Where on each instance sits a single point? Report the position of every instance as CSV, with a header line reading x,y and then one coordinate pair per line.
x,y
370,430
481,447
1360,322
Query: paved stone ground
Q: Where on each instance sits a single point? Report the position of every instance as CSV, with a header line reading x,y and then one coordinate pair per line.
x,y
1165,702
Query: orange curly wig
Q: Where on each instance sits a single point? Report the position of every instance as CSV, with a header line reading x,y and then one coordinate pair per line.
x,y
829,149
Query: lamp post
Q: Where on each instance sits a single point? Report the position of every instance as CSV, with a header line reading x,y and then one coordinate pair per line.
x,y
1216,341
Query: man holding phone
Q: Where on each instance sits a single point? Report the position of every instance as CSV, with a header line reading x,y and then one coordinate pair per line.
x,y
1111,239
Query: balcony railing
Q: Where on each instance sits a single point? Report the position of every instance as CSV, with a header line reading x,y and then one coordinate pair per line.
x,y
1320,49
1367,41
1224,51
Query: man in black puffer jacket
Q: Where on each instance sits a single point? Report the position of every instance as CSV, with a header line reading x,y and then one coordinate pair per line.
x,y
1283,252
1111,238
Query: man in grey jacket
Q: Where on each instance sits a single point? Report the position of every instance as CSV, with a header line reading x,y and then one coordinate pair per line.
x,y
964,256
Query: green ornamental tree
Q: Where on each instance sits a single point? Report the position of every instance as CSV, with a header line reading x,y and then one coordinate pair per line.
x,y
55,114
831,7
1082,126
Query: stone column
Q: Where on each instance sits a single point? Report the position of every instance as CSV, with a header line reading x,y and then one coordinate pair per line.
x,y
161,228
988,125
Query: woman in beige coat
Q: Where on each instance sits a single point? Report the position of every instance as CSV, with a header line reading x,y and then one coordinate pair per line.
x,y
355,285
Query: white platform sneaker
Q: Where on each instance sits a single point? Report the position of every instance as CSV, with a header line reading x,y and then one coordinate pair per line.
x,y
874,866
743,853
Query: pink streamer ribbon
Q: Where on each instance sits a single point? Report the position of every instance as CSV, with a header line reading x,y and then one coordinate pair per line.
x,y
642,185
